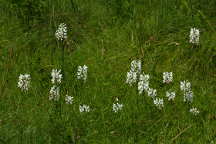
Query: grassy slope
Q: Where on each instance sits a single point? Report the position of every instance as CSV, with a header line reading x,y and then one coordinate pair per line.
x,y
106,36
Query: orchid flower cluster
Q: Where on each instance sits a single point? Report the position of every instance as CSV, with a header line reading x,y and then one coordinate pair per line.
x,y
56,76
84,108
143,86
185,86
82,72
170,95
132,76
159,103
117,106
56,80
143,83
167,77
194,36
61,32
69,99
194,111
54,93
134,71
24,82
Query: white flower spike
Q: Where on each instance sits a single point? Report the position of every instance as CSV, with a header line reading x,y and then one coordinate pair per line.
x,y
159,103
194,36
54,93
194,111
82,72
56,76
116,106
143,83
136,66
152,92
84,108
69,99
185,85
131,77
24,82
134,71
170,96
61,32
167,77
188,96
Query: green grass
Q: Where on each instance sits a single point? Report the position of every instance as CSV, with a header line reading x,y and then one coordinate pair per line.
x,y
107,36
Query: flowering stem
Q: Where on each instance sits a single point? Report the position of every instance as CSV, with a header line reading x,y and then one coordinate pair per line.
x,y
62,58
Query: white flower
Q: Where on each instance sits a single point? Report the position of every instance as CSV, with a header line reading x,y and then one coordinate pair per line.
x,y
159,103
170,95
185,85
85,71
143,83
24,82
142,86
82,72
131,77
134,71
61,32
194,36
117,107
152,92
54,93
68,99
167,77
56,76
188,96
136,66
194,111
144,77
84,108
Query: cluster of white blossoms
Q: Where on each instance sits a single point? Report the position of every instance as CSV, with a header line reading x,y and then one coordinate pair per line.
x,y
170,95
185,86
82,72
143,86
134,71
24,82
167,77
143,83
117,106
194,111
56,76
69,99
194,36
84,108
159,103
56,79
152,92
54,93
61,32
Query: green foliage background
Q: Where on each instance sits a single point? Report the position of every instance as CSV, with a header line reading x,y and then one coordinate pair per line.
x,y
106,35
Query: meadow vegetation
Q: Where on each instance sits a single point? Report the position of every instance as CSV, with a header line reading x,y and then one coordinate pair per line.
x,y
106,35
